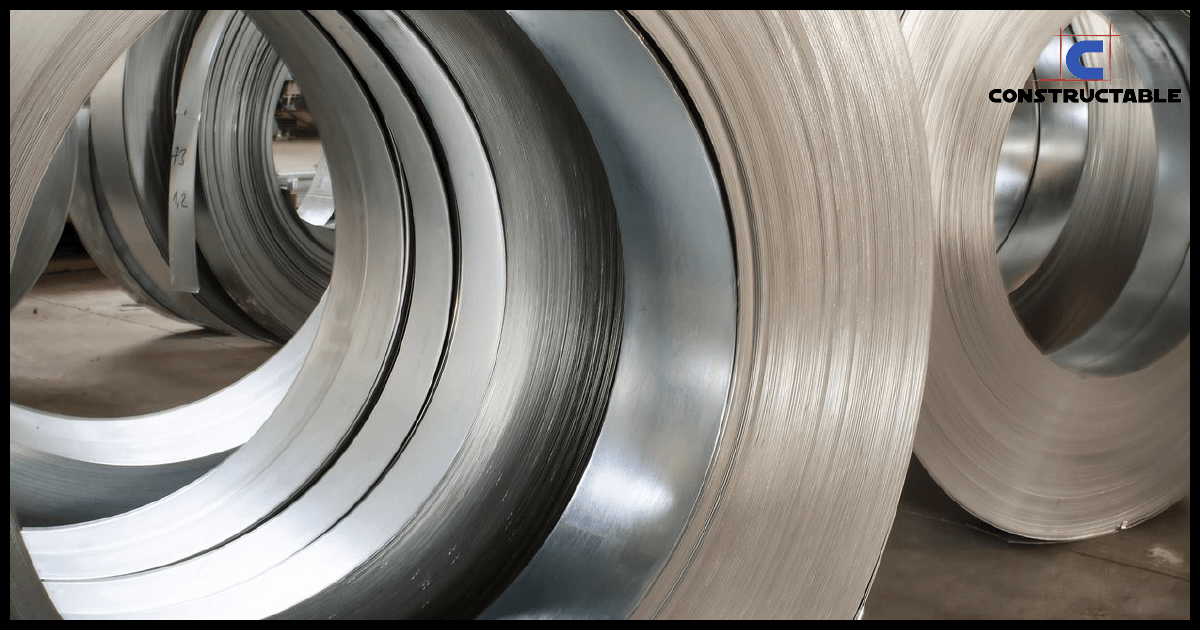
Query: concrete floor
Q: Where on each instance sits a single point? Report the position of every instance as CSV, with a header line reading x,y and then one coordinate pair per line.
x,y
77,345
942,563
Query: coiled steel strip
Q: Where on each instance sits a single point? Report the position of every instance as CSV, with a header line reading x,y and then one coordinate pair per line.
x,y
1032,206
133,110
521,413
818,411
37,76
65,469
1091,436
273,264
44,228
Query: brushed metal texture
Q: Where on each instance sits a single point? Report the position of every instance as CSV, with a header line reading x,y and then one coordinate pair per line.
x,y
1066,444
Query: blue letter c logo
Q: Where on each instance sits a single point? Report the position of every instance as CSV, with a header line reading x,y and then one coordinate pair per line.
x,y
1076,68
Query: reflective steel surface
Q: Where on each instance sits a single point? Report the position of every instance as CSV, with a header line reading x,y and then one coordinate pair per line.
x,y
181,220
1059,157
67,470
1020,437
1152,314
676,359
527,395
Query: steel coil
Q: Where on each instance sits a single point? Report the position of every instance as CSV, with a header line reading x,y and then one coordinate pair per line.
x,y
133,110
273,264
245,244
823,173
84,214
48,66
65,469
629,318
1059,412
47,217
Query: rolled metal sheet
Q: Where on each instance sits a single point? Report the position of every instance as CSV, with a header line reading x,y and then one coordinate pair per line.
x,y
48,64
133,112
44,227
820,155
1074,442
220,501
1028,227
370,432
679,335
265,256
181,213
1152,312
65,469
85,217
467,420
1105,228
1018,158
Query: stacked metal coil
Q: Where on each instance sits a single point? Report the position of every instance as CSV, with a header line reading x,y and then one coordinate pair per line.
x,y
1059,410
55,194
132,112
273,264
68,469
254,267
558,331
629,315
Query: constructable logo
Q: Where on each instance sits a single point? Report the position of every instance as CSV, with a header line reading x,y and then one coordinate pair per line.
x,y
1076,71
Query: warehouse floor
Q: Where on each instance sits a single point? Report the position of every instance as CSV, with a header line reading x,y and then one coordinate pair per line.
x,y
78,345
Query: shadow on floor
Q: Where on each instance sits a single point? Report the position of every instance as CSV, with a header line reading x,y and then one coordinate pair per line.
x,y
942,563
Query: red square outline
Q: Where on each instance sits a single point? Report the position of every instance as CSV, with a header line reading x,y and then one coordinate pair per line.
x,y
1060,57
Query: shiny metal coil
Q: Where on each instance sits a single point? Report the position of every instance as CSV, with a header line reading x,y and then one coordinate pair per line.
x,y
629,318
1041,162
43,69
133,111
44,227
1059,411
181,194
272,263
823,173
246,244
65,469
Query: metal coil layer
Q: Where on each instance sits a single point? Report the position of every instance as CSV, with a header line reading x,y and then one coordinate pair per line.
x,y
65,469
1041,162
68,469
47,65
629,318
1104,227
273,264
245,229
44,227
1075,423
819,146
133,111
534,412
85,216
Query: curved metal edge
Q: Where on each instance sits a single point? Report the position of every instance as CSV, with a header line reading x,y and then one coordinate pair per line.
x,y
181,187
639,489
65,469
38,44
84,214
1060,157
1152,313
47,218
